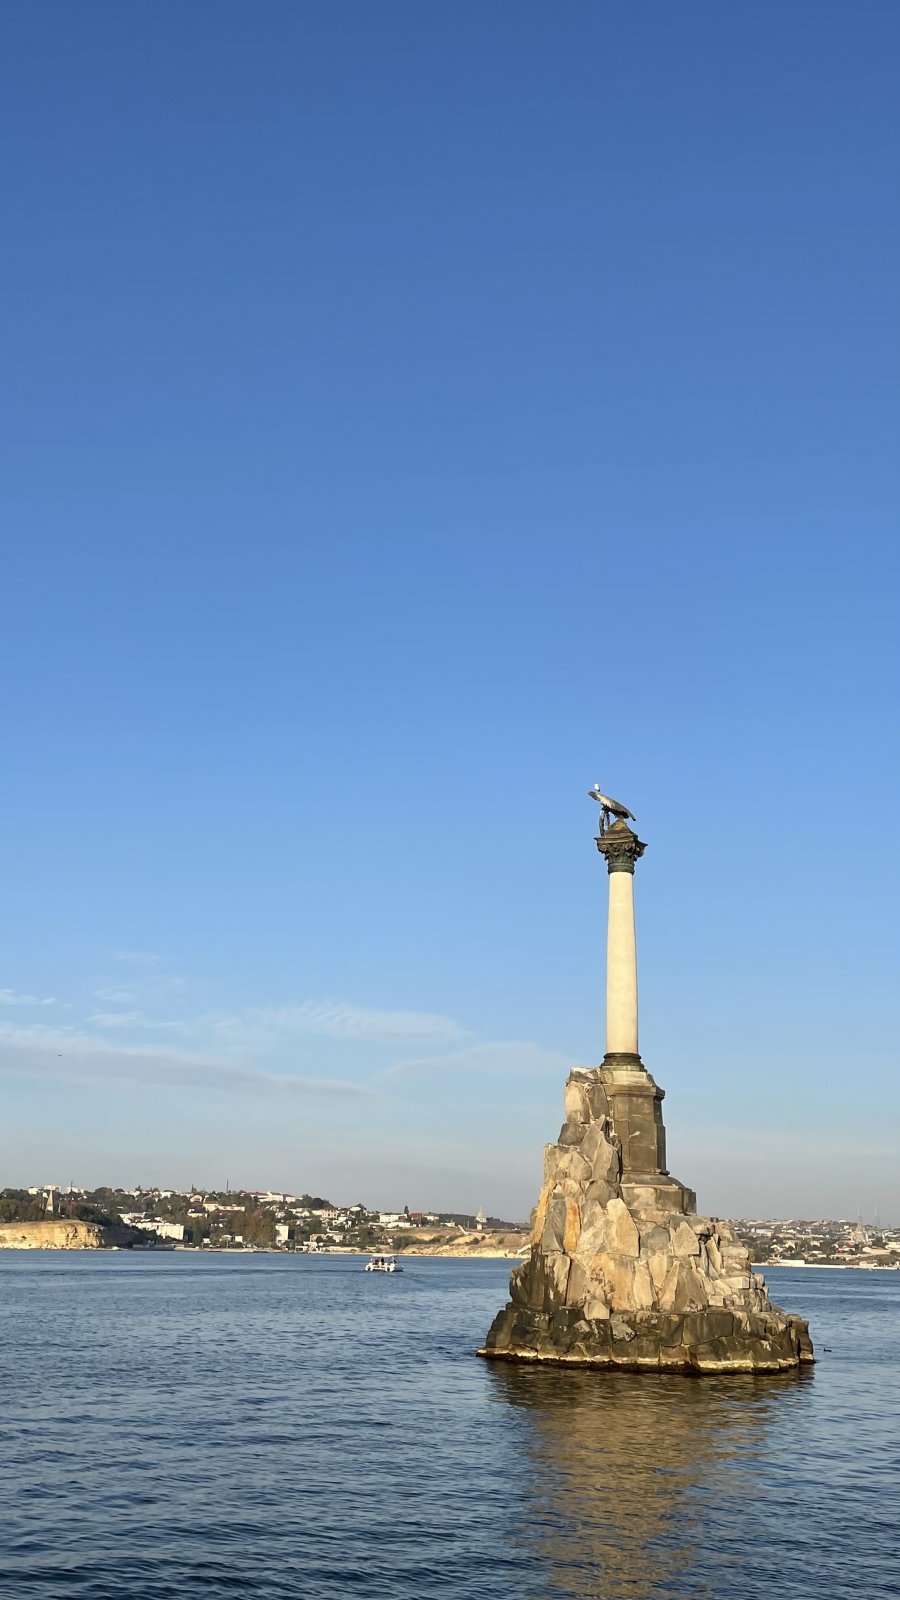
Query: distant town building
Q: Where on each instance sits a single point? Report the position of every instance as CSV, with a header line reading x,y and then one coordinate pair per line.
x,y
157,1225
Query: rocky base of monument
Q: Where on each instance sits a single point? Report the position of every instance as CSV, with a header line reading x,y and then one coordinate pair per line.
x,y
623,1273
655,1341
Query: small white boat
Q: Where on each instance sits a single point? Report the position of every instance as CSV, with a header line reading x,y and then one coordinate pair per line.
x,y
383,1264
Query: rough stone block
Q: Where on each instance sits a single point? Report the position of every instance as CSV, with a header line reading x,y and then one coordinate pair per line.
x,y
572,1164
518,1284
539,1214
575,1100
598,1149
621,1330
623,1234
597,1099
501,1332
667,1290
690,1290
684,1240
572,1229
736,1283
548,1279
594,1233
654,1239
577,1285
643,1292
533,1281
570,1189
615,1275
658,1266
560,1326
572,1133
599,1268
554,1226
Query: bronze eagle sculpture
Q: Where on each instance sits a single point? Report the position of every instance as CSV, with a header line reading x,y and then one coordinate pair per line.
x,y
609,808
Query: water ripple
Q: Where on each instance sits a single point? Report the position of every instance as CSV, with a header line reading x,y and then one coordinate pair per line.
x,y
196,1428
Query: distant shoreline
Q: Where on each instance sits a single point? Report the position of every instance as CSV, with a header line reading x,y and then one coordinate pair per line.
x,y
417,1253
831,1266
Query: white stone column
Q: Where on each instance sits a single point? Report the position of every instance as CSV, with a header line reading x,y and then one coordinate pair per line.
x,y
621,968
621,849
634,1099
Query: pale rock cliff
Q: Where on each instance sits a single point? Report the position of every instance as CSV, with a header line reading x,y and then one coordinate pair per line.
x,y
65,1234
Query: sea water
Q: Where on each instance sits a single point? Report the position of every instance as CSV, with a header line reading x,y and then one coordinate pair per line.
x,y
254,1426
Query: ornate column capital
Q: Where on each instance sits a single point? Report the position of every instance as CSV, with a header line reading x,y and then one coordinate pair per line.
x,y
621,847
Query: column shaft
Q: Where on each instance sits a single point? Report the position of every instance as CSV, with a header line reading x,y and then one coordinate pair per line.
x,y
621,968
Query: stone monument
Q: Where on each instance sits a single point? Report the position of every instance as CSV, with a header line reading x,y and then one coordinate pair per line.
x,y
622,1271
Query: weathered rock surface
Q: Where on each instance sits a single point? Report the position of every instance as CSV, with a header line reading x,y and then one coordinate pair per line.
x,y
60,1234
616,1282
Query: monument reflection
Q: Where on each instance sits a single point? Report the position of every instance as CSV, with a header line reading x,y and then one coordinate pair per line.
x,y
633,1479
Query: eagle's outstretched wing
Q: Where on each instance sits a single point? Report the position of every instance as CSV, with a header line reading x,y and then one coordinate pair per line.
x,y
615,806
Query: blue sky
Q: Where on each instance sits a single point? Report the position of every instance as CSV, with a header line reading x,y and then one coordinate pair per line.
x,y
414,414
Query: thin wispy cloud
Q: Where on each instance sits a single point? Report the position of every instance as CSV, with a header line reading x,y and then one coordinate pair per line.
x,y
64,1053
260,1028
260,1045
119,1020
114,1019
144,982
9,997
339,1020
503,1057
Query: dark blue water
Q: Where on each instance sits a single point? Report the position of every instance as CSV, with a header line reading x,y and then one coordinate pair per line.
x,y
265,1427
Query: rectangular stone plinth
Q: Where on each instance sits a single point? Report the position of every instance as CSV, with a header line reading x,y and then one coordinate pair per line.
x,y
651,1193
635,1109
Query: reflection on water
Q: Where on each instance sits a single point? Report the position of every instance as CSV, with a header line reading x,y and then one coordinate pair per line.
x,y
625,1471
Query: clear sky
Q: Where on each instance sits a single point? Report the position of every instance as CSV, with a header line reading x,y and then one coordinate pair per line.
x,y
414,414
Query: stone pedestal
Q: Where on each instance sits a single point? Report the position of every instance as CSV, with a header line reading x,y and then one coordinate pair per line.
x,y
622,1272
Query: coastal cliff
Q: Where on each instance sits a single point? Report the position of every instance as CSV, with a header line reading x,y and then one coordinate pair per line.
x,y
479,1244
65,1234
